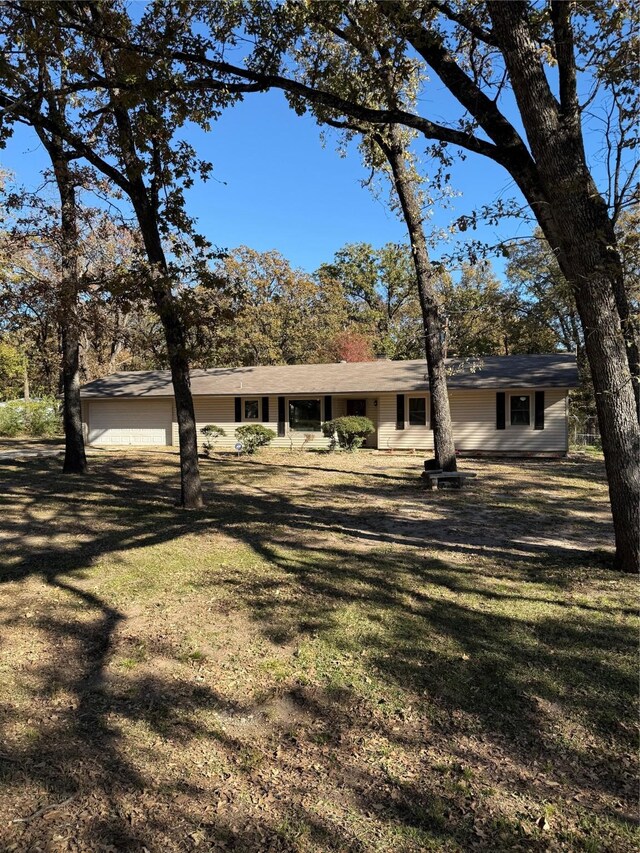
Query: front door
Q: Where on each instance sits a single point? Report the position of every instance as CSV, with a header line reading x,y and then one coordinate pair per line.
x,y
357,407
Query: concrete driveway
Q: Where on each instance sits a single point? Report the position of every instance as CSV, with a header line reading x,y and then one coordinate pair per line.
x,y
7,455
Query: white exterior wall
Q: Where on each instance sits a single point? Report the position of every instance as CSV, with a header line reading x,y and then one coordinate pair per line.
x,y
84,414
390,438
474,424
221,411
373,408
473,414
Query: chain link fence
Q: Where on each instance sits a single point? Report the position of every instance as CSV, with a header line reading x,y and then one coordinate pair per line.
x,y
586,439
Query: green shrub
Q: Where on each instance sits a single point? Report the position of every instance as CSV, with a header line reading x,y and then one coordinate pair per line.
x,y
254,436
43,417
211,433
12,419
30,417
349,432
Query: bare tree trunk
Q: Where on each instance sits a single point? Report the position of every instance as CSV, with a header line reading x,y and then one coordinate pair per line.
x,y
608,355
117,339
615,405
167,308
145,204
432,323
75,460
191,487
576,222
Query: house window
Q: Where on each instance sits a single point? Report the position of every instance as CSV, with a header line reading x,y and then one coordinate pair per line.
x,y
417,411
251,410
520,410
304,415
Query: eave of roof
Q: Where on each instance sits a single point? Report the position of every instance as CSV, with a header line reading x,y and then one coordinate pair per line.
x,y
520,371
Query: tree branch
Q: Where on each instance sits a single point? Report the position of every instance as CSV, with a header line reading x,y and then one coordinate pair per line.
x,y
565,56
343,106
467,22
12,107
429,45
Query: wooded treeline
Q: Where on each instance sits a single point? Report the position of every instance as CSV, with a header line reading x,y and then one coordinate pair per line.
x,y
109,96
257,310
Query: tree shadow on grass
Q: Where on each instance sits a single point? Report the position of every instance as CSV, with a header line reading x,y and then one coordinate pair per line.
x,y
490,663
479,669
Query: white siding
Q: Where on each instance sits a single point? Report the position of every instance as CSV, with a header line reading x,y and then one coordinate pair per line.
x,y
474,424
474,417
215,410
84,409
339,407
390,438
221,411
473,413
372,414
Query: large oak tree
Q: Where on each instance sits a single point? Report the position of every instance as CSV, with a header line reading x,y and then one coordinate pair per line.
x,y
517,74
124,124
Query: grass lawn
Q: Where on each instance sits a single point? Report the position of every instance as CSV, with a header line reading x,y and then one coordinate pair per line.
x,y
326,658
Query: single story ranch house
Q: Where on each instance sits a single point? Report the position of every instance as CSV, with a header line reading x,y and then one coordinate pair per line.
x,y
499,404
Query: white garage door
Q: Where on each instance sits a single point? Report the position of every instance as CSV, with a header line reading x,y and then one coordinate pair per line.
x,y
135,422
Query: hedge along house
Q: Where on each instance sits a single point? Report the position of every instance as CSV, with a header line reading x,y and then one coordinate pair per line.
x,y
499,404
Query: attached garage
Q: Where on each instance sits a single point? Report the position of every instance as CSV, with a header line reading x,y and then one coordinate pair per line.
x,y
136,422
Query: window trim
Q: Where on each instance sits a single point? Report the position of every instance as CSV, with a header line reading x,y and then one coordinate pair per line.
x,y
512,395
245,419
423,397
317,400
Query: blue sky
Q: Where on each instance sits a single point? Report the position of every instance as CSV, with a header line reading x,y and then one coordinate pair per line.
x,y
274,186
283,190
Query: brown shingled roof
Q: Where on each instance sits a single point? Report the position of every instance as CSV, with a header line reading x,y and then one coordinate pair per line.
x,y
513,371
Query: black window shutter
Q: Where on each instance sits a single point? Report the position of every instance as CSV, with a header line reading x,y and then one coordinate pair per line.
x,y
328,411
238,406
501,406
400,411
431,418
539,410
265,410
281,421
